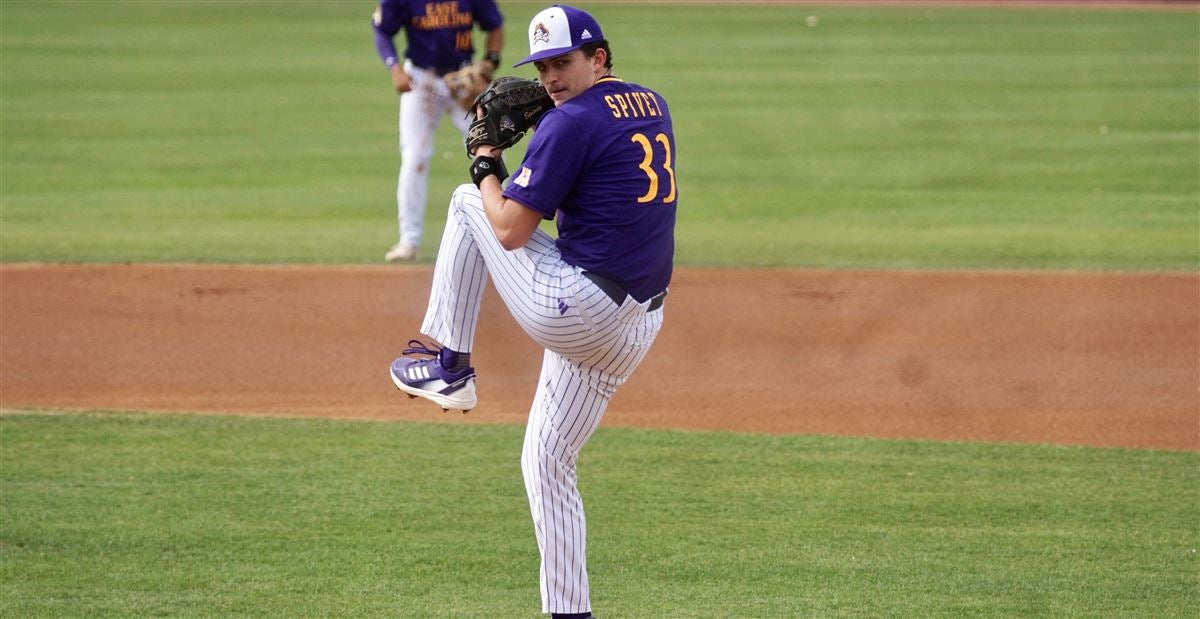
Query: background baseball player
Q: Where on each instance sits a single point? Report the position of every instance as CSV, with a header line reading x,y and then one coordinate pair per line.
x,y
601,162
438,36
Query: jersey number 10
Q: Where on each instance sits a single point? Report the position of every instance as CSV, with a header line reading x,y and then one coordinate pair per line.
x,y
462,41
644,142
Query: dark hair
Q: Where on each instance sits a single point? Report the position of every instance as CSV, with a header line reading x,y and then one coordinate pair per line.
x,y
589,50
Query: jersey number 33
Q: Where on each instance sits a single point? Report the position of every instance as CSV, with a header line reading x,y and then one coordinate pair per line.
x,y
651,148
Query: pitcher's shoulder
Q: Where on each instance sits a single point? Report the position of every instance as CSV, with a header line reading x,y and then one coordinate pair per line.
x,y
630,101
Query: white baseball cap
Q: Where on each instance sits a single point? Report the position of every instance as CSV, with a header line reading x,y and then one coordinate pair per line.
x,y
558,30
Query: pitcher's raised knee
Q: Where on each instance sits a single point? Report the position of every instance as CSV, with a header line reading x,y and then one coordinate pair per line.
x,y
466,193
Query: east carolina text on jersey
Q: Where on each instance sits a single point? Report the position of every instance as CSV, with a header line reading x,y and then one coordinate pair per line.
x,y
443,15
438,34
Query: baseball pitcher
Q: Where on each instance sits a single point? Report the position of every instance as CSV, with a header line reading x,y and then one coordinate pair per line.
x,y
601,163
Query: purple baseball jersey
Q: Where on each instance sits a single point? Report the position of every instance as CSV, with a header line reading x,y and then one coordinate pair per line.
x,y
603,162
438,33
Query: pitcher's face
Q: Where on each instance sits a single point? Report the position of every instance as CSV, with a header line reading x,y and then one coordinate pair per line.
x,y
568,75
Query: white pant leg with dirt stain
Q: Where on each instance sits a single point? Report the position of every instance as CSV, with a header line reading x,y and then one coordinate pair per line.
x,y
421,111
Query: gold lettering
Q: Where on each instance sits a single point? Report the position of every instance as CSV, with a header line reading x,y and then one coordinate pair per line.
x,y
639,102
641,99
611,104
443,15
624,106
631,100
632,105
652,102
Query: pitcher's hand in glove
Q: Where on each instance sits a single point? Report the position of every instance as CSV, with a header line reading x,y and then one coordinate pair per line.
x,y
467,83
505,111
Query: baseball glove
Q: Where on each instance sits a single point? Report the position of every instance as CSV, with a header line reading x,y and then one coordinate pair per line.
x,y
510,106
467,83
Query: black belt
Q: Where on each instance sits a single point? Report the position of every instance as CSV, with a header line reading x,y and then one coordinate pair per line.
x,y
618,294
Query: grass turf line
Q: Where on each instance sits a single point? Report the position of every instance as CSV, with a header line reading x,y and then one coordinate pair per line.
x,y
931,137
114,514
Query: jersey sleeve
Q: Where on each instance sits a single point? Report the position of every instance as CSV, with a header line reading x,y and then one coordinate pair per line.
x,y
386,21
551,166
487,14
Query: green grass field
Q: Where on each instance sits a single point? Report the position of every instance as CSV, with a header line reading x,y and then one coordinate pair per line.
x,y
168,515
904,137
883,138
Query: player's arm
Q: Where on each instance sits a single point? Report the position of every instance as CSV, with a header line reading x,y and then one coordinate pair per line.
x,y
492,46
489,19
516,212
512,222
386,23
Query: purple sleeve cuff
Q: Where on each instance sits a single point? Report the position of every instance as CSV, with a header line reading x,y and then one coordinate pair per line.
x,y
385,47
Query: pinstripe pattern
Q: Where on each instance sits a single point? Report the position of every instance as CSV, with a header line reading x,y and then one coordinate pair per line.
x,y
592,346
421,111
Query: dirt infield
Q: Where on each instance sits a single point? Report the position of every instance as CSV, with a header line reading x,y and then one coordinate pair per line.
x,y
1072,358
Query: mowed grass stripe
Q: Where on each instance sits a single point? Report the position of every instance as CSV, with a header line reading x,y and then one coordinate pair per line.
x,y
930,137
115,514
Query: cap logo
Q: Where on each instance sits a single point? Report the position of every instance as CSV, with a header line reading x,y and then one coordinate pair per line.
x,y
558,30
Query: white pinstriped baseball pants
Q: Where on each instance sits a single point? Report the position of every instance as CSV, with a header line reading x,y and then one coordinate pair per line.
x,y
421,111
592,346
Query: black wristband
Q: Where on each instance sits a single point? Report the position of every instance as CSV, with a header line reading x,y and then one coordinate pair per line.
x,y
494,57
484,167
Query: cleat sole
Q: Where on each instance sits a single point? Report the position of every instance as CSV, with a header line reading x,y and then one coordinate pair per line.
x,y
445,402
